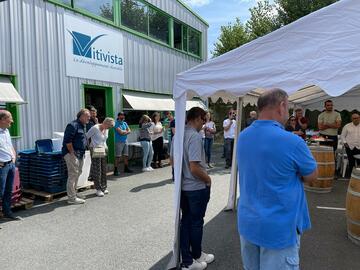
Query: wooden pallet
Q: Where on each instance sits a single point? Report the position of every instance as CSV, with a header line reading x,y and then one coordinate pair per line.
x,y
24,203
49,197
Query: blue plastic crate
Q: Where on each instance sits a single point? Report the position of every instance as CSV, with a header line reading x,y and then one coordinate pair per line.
x,y
43,146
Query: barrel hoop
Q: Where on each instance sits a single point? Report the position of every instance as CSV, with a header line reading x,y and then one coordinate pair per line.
x,y
352,192
318,190
353,221
353,236
325,178
355,176
326,163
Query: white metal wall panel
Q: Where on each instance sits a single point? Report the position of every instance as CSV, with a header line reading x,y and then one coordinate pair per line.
x,y
32,48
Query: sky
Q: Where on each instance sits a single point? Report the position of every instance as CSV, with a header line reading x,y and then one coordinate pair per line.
x,y
220,12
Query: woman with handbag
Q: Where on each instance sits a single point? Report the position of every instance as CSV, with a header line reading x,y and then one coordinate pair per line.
x,y
98,149
145,141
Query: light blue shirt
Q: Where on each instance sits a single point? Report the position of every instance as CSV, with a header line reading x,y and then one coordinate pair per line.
x,y
272,205
6,147
123,126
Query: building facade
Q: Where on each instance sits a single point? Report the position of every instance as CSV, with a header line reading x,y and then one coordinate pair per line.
x,y
62,55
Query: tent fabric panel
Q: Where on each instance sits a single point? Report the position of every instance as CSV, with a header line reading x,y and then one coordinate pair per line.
x,y
8,93
318,49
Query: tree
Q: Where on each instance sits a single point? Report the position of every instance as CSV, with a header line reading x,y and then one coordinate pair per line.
x,y
263,20
291,10
231,37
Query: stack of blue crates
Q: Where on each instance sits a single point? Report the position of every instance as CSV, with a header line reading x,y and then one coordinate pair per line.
x,y
43,169
24,166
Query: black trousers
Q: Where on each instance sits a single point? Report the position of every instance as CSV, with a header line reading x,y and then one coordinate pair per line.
x,y
158,146
350,153
333,143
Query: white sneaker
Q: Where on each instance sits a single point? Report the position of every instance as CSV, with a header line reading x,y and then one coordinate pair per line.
x,y
145,170
99,193
208,258
106,191
195,266
150,169
81,196
76,201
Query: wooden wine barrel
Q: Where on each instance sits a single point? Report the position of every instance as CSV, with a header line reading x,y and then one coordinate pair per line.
x,y
353,207
324,156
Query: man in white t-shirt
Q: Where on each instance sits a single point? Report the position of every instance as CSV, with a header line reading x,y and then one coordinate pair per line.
x,y
229,126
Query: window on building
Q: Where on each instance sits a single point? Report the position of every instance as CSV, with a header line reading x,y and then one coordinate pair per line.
x,y
178,35
158,25
134,14
102,8
194,42
185,38
66,2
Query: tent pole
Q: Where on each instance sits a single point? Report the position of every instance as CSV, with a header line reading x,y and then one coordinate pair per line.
x,y
231,205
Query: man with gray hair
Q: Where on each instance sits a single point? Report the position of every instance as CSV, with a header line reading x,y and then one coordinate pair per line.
x,y
73,150
7,164
252,118
272,208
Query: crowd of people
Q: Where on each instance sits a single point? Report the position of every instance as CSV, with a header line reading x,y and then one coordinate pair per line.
x,y
270,223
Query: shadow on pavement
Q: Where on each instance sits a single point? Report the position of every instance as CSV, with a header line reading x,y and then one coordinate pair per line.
x,y
221,239
324,247
152,185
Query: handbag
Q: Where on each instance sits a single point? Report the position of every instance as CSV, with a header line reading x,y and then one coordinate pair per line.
x,y
98,152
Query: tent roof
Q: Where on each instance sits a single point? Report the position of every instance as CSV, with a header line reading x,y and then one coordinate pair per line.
x,y
318,51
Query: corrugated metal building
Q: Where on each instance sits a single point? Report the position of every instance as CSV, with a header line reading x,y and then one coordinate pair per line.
x,y
159,38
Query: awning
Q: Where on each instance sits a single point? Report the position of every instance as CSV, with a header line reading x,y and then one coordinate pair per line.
x,y
8,93
149,102
152,102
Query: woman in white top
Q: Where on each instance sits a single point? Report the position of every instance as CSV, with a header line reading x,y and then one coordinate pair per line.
x,y
98,149
210,131
157,139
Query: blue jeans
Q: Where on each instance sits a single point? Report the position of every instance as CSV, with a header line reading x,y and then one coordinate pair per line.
x,y
193,207
147,153
7,174
258,258
207,146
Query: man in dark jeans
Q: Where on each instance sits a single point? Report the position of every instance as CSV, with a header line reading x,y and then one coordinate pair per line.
x,y
195,194
229,126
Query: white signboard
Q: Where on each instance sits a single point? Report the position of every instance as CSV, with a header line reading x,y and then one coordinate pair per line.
x,y
93,51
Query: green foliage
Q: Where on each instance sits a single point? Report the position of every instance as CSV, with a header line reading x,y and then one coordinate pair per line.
x,y
232,36
106,11
291,10
263,20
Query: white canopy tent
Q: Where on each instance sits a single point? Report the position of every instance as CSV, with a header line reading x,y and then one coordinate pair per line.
x,y
319,51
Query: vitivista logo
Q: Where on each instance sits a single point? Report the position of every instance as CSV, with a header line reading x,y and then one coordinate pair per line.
x,y
82,46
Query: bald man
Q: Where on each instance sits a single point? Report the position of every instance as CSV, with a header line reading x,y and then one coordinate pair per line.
x,y
7,164
350,136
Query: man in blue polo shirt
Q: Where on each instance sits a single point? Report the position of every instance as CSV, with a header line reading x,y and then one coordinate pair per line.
x,y
272,208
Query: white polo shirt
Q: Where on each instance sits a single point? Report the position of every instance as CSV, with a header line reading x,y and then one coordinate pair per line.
x,y
6,147
230,134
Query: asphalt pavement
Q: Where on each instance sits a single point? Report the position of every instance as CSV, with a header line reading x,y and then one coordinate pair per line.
x,y
132,229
